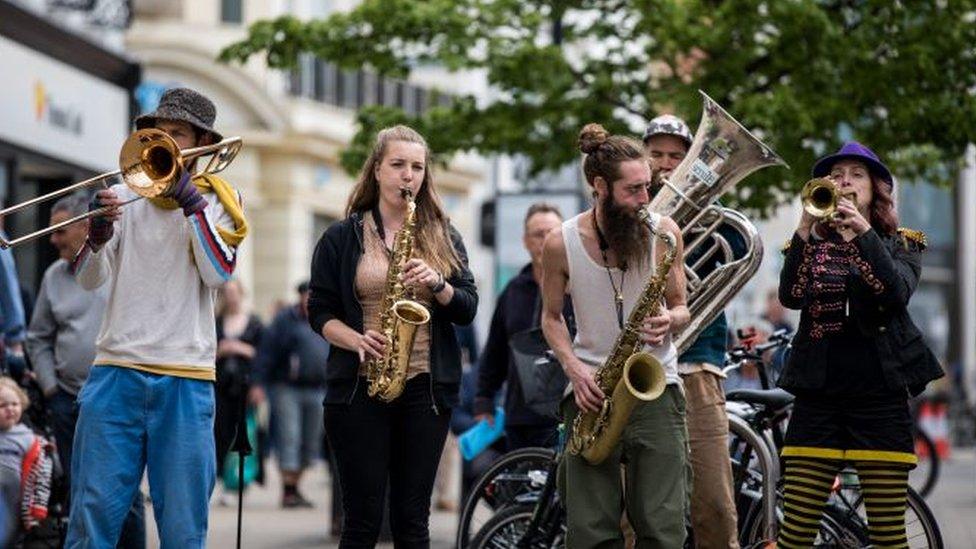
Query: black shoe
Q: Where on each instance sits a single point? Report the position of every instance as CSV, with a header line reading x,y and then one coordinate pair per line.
x,y
295,500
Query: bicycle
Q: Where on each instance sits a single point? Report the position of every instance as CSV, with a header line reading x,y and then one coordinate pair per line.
x,y
511,481
926,473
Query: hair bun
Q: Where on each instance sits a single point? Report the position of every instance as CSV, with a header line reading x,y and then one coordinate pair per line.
x,y
591,137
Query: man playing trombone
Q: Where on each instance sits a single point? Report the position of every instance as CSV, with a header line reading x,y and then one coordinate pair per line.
x,y
149,400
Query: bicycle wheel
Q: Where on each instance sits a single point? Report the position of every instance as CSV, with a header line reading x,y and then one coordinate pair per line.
x,y
924,476
512,478
920,525
838,529
505,530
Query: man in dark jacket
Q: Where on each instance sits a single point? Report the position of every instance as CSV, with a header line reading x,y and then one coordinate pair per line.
x,y
518,308
291,363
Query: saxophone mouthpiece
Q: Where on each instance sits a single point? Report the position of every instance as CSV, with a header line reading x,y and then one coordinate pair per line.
x,y
406,193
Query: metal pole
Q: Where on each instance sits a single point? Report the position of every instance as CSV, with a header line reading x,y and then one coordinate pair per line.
x,y
966,245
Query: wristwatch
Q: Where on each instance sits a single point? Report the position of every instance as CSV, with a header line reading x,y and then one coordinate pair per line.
x,y
439,287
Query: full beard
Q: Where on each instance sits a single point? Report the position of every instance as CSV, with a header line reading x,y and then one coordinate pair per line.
x,y
626,234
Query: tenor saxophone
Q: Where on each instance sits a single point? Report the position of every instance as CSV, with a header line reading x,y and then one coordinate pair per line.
x,y
400,316
628,376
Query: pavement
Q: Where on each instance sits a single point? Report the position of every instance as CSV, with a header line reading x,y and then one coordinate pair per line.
x,y
953,501
267,525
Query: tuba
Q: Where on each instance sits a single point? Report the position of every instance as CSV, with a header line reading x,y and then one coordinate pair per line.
x,y
400,316
628,376
722,154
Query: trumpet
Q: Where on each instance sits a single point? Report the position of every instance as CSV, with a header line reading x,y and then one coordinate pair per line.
x,y
821,195
150,163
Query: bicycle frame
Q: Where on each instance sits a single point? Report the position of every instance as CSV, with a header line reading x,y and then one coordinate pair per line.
x,y
768,465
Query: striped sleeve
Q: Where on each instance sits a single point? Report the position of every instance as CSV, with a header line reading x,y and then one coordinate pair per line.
x,y
215,259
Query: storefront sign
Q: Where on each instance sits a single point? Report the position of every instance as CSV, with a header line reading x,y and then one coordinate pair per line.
x,y
55,109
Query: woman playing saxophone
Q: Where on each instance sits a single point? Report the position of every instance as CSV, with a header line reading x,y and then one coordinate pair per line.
x,y
400,439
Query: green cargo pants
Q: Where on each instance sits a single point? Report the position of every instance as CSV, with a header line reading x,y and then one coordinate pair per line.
x,y
654,492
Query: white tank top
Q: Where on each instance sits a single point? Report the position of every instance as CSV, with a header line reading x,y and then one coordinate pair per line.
x,y
592,293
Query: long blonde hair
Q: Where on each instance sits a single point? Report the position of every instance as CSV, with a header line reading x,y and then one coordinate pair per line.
x,y
432,242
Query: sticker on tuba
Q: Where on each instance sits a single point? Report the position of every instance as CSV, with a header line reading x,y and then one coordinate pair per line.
x,y
701,171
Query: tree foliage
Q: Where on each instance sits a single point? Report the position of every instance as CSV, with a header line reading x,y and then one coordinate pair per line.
x,y
803,74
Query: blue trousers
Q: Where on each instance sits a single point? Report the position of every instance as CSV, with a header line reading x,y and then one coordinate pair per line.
x,y
298,416
64,415
130,421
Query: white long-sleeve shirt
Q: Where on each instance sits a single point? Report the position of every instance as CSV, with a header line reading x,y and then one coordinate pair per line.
x,y
163,269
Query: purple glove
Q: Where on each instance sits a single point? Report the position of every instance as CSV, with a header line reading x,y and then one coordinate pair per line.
x,y
100,229
187,196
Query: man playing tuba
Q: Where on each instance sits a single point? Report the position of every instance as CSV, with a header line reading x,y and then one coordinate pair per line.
x,y
713,514
602,259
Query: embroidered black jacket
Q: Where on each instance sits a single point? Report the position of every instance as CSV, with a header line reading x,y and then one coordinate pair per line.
x,y
868,280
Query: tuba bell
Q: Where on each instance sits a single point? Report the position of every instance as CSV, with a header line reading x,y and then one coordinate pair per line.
x,y
722,153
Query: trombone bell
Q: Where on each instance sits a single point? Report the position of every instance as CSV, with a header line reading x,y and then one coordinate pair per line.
x,y
150,162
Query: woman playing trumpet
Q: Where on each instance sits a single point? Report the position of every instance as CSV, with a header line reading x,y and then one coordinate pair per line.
x,y
857,357
372,439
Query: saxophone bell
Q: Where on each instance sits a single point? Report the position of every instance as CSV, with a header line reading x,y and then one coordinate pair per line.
x,y
643,380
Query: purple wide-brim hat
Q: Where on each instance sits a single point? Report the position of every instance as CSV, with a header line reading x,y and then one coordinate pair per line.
x,y
852,150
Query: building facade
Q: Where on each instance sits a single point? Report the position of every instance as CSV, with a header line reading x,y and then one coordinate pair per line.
x,y
65,108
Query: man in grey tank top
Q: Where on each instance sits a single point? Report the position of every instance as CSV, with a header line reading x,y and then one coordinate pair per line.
x,y
602,259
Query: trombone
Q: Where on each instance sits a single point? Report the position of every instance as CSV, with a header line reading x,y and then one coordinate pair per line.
x,y
821,195
150,163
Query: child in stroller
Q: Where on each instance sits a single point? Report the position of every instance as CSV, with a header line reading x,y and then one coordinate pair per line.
x,y
29,472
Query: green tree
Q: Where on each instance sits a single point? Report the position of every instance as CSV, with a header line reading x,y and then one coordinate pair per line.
x,y
804,74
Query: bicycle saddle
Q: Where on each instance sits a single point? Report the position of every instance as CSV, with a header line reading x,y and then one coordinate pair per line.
x,y
773,398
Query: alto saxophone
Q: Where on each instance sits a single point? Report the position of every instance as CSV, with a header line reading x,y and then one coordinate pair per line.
x,y
627,376
400,316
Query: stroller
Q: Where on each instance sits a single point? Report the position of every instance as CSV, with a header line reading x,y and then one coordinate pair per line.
x,y
50,533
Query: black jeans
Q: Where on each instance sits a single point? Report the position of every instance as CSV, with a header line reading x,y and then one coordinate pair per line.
x,y
373,441
64,416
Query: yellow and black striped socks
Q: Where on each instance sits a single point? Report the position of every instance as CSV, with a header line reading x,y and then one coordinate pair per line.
x,y
808,482
885,489
807,485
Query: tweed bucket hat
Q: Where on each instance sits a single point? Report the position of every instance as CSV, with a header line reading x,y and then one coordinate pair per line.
x,y
668,124
852,150
185,105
